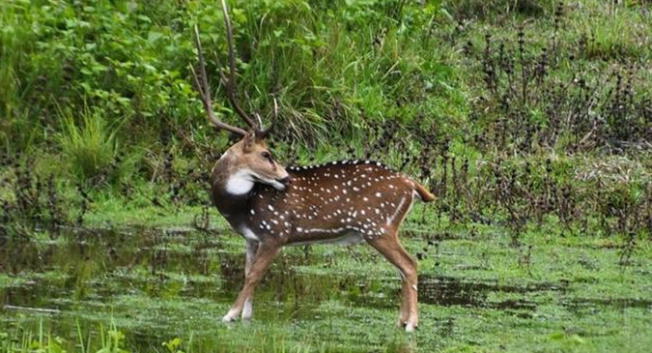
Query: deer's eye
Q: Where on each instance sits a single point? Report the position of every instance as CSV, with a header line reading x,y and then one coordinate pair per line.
x,y
267,155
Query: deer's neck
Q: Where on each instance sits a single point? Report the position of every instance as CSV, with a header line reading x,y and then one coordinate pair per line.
x,y
232,190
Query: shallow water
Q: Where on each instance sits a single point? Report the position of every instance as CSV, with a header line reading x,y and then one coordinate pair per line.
x,y
155,284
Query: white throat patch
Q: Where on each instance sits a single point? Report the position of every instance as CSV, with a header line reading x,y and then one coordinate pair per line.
x,y
240,183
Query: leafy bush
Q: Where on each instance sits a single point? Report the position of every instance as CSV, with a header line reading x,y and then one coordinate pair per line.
x,y
473,96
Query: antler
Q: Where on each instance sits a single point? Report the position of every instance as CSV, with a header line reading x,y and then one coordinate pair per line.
x,y
230,82
205,91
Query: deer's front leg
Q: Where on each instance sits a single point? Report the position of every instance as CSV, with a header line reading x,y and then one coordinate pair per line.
x,y
250,256
264,256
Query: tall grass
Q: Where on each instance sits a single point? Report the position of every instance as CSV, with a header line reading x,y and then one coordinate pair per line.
x,y
335,68
89,148
429,88
111,339
16,127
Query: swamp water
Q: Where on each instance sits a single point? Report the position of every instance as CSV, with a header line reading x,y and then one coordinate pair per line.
x,y
166,290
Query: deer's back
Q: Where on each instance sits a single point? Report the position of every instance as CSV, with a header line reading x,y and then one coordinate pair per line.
x,y
332,201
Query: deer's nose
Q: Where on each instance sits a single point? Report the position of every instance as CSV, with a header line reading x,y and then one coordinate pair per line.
x,y
285,180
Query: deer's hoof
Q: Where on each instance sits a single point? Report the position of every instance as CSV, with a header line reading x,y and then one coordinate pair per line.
x,y
228,318
409,327
247,310
231,316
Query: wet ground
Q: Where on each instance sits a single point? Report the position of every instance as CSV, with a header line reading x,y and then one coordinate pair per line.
x,y
477,293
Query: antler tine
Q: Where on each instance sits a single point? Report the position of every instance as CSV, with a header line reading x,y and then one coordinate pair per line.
x,y
275,109
205,91
230,83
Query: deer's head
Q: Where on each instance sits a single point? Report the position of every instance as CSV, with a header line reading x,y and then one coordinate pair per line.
x,y
249,160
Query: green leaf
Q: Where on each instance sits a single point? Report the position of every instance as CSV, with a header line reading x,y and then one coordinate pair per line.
x,y
153,36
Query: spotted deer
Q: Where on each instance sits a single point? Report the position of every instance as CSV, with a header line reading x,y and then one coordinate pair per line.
x,y
345,202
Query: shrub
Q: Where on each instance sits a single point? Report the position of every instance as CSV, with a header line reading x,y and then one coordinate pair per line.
x,y
90,148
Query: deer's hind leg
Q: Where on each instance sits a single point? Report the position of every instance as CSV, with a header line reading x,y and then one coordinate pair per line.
x,y
390,247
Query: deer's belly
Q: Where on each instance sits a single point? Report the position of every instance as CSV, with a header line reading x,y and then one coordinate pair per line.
x,y
346,238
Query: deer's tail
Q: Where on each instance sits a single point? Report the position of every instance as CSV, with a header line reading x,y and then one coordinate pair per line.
x,y
424,194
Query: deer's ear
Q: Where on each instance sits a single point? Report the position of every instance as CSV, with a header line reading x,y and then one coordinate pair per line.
x,y
249,141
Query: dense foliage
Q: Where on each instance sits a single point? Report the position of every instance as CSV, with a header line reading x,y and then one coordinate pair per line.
x,y
516,112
